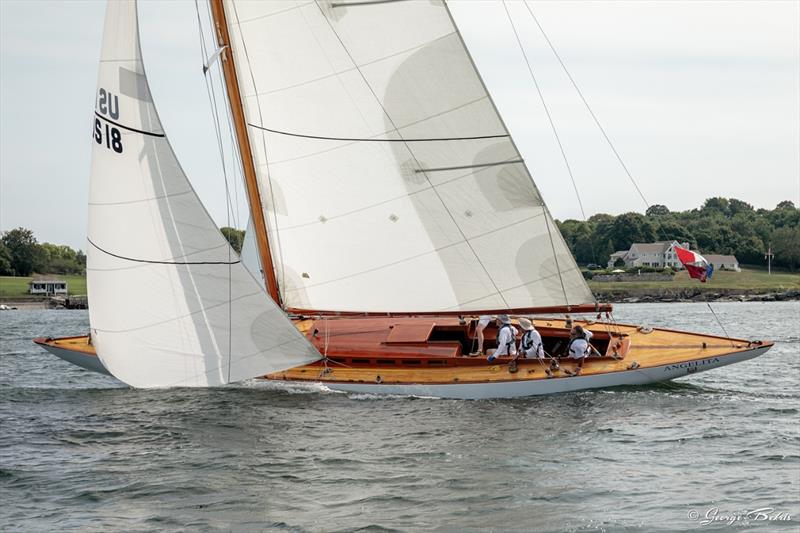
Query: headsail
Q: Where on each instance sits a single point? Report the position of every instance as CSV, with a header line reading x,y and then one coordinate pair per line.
x,y
390,181
171,303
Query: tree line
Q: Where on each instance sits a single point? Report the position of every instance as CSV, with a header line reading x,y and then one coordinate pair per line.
x,y
22,255
725,226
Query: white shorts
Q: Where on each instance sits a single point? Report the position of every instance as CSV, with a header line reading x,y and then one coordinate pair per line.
x,y
483,321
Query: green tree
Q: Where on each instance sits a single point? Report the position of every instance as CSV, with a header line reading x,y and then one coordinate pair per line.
x,y
235,237
737,206
657,210
5,261
629,228
26,254
716,205
786,246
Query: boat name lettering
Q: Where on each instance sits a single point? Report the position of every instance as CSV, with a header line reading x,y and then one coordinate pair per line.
x,y
691,364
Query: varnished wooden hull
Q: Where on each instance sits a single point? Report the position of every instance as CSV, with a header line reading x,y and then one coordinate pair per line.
x,y
381,356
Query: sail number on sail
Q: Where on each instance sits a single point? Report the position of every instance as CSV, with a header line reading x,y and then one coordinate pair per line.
x,y
108,105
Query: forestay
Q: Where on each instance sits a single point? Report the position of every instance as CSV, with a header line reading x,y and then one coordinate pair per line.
x,y
390,182
171,304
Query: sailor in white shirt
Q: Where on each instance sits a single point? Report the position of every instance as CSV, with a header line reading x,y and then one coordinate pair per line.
x,y
506,339
579,345
531,343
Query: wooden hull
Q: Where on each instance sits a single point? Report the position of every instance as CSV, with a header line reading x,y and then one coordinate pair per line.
x,y
423,356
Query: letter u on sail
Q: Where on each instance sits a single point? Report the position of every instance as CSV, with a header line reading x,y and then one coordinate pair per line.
x,y
172,305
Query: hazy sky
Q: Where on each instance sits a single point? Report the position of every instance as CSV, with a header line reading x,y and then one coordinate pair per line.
x,y
700,98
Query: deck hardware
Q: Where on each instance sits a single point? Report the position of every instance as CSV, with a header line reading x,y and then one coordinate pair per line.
x,y
378,379
633,366
705,346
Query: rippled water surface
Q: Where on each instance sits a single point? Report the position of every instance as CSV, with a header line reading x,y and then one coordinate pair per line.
x,y
80,451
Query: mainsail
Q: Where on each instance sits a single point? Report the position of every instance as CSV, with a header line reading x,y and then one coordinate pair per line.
x,y
389,181
171,303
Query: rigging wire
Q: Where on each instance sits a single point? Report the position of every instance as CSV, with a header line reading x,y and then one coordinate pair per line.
x,y
600,127
546,108
550,120
228,207
586,103
212,100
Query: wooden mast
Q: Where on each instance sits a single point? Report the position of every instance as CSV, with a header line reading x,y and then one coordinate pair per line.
x,y
240,124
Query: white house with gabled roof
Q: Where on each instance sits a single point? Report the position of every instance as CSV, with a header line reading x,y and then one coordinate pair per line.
x,y
656,255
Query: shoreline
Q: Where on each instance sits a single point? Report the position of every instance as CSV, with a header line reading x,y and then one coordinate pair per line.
x,y
699,294
614,296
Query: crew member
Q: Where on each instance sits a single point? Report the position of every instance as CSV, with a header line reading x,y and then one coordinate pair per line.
x,y
506,339
531,343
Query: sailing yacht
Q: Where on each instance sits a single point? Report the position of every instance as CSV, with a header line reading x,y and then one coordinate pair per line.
x,y
390,208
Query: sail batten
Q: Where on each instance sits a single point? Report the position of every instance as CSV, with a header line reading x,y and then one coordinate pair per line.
x,y
394,184
171,302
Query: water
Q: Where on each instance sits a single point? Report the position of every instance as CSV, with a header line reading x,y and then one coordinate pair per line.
x,y
80,451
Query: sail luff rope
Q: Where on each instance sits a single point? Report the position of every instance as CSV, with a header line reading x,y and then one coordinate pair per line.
x,y
550,120
411,152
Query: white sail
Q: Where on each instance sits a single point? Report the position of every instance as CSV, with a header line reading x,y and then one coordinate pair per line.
x,y
171,304
366,212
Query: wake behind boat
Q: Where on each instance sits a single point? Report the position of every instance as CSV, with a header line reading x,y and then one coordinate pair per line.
x,y
381,179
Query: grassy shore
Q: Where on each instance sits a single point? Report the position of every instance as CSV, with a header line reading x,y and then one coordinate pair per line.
x,y
747,279
751,279
17,287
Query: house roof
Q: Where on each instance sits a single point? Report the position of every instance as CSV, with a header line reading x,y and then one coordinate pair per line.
x,y
621,253
724,259
651,247
44,280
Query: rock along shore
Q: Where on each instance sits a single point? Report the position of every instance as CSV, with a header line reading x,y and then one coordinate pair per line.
x,y
699,294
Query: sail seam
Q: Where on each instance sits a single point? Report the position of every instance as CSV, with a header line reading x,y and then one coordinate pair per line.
x,y
274,13
516,149
466,241
410,151
337,73
524,284
404,126
383,202
372,139
142,200
365,3
124,127
156,262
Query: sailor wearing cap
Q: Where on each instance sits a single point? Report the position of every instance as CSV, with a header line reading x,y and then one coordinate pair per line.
x,y
531,343
506,338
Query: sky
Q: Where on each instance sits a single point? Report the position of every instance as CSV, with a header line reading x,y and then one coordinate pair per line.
x,y
700,99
